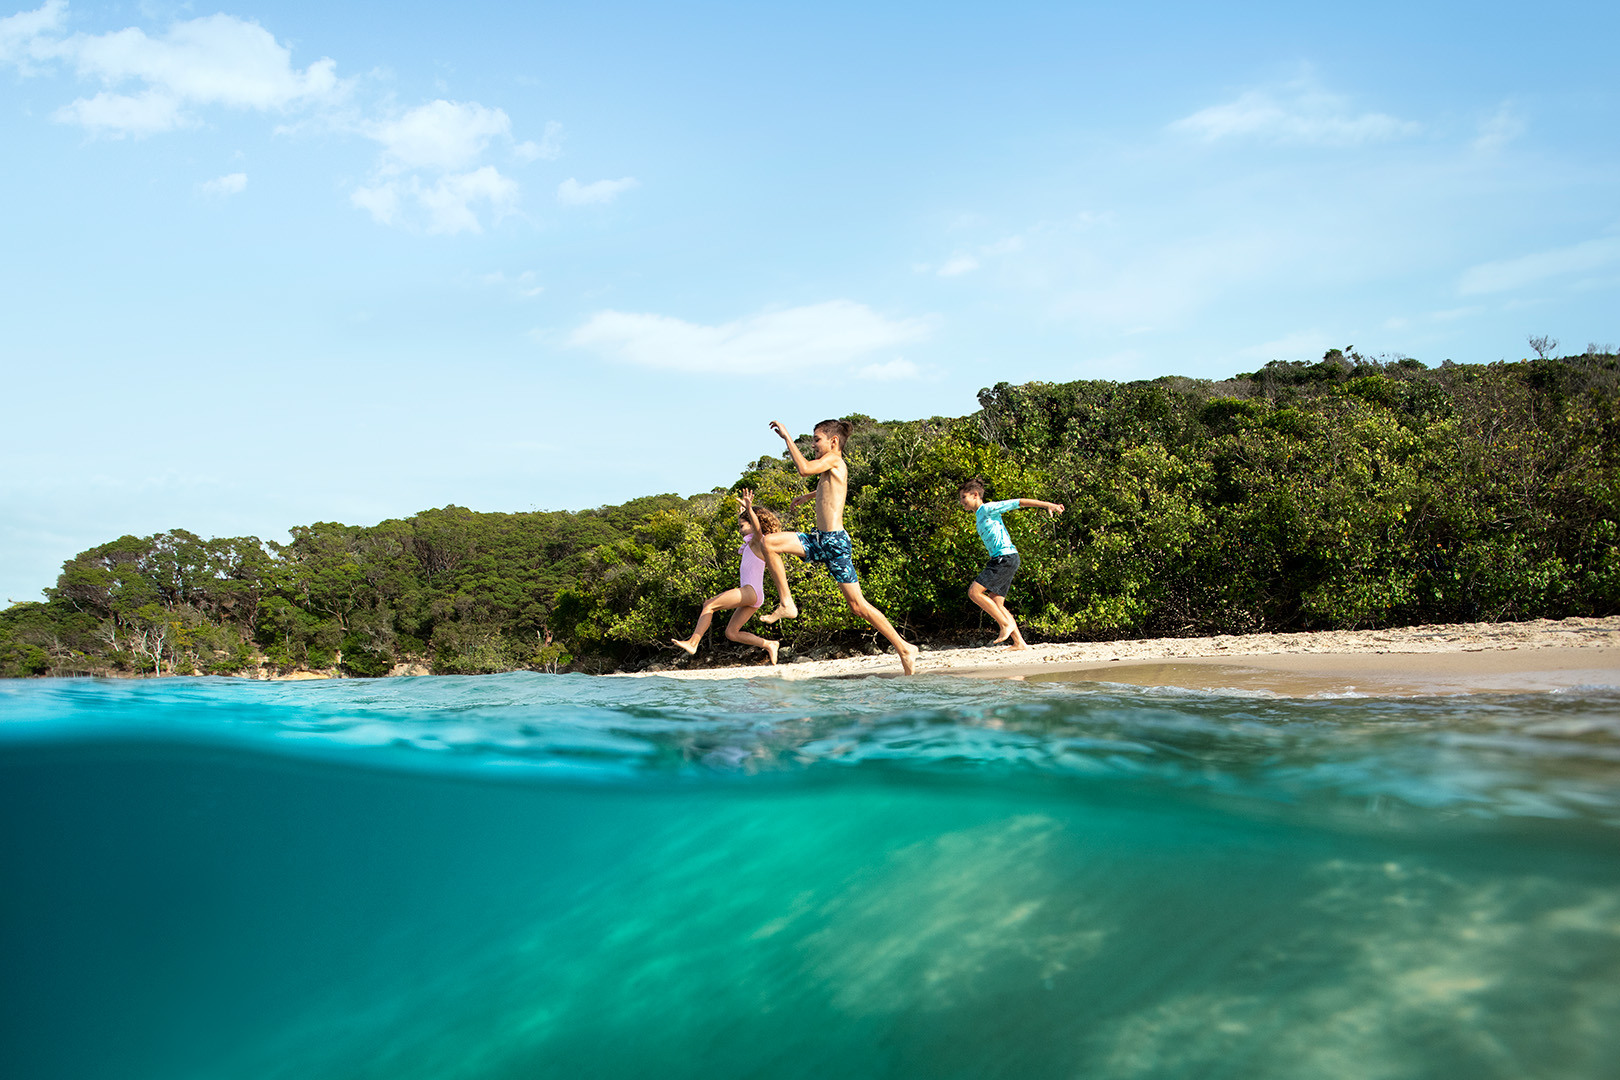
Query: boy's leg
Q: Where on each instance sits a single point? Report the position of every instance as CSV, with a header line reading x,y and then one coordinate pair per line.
x,y
860,605
980,596
785,607
776,545
735,631
1015,634
729,599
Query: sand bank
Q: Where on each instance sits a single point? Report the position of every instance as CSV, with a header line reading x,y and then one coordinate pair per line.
x,y
1547,654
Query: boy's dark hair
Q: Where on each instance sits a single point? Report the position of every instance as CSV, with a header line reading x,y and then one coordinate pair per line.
x,y
975,485
838,428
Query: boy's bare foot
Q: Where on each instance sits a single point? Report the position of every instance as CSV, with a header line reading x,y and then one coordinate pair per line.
x,y
689,646
787,609
908,659
1006,632
1018,643
771,647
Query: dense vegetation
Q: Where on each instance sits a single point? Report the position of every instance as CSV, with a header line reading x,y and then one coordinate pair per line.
x,y
1341,494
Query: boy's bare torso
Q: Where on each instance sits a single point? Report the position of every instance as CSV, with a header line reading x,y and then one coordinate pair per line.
x,y
832,487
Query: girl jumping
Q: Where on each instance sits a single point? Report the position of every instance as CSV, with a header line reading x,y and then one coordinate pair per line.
x,y
749,594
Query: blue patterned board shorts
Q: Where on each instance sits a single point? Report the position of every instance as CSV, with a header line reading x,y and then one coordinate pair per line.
x,y
832,550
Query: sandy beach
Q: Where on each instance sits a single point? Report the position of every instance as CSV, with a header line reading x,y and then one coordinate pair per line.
x,y
1543,655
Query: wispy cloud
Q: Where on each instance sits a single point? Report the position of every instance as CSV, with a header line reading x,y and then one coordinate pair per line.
x,y
549,148
836,333
527,284
446,205
1508,274
433,173
429,176
890,371
439,135
1500,128
958,265
232,184
573,193
1298,113
156,84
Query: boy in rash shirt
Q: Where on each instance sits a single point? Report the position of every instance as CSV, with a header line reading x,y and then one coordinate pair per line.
x,y
989,589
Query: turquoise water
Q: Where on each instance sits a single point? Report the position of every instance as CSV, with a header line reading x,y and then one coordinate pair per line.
x,y
555,876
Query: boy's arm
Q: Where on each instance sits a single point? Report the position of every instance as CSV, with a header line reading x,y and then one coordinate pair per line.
x,y
800,500
1052,509
805,466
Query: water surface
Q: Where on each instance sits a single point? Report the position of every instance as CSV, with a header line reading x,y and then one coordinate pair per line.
x,y
531,876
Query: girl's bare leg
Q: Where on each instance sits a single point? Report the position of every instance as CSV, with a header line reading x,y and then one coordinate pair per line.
x,y
860,605
785,607
724,602
735,631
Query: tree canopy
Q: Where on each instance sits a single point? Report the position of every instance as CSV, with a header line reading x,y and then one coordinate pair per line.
x,y
1347,493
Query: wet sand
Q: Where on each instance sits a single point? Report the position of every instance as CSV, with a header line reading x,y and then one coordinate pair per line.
x,y
1542,655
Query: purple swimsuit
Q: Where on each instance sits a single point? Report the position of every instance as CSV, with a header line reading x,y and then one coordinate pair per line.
x,y
753,571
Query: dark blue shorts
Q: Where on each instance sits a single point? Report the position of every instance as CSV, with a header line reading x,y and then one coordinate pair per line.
x,y
997,575
832,550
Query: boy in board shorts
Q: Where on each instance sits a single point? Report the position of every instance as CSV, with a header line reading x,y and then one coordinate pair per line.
x,y
828,543
989,589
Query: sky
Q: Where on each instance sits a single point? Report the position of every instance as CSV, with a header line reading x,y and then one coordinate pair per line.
x,y
268,265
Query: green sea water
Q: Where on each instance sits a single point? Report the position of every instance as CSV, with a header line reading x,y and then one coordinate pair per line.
x,y
539,876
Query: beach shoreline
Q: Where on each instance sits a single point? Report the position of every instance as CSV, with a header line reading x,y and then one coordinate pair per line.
x,y
1535,656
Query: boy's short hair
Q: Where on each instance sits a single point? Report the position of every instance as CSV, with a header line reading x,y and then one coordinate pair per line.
x,y
975,485
838,428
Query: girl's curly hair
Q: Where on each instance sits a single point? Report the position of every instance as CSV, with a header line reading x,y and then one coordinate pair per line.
x,y
767,520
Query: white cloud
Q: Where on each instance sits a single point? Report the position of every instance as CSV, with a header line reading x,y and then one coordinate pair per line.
x,y
831,334
439,135
1298,113
549,148
382,201
24,36
893,370
125,114
572,193
447,203
231,184
958,265
1508,274
214,60
1501,128
432,174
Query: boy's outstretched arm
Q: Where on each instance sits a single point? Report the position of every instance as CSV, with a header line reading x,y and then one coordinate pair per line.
x,y
805,466
1052,509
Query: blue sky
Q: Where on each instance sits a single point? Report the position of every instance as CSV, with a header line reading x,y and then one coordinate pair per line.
x,y
286,263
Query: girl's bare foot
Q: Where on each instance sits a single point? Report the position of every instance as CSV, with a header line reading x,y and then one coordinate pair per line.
x,y
908,659
689,646
787,609
771,647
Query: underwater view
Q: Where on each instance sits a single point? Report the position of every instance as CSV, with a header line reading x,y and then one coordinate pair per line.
x,y
523,875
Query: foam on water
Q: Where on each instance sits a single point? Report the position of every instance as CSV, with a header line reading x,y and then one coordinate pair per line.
x,y
528,875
